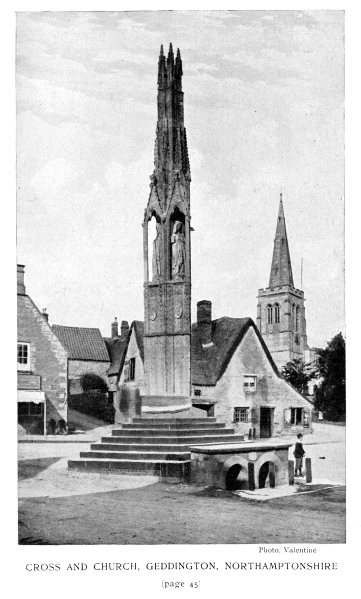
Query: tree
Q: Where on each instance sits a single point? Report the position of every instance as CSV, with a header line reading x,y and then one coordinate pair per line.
x,y
331,392
298,374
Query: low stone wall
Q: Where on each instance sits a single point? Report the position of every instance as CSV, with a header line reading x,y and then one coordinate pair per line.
x,y
240,466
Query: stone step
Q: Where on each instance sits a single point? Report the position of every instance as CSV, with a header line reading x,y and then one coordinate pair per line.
x,y
173,420
173,426
172,439
139,447
172,471
137,455
149,432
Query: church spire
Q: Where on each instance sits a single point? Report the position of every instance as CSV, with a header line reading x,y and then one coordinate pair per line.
x,y
281,269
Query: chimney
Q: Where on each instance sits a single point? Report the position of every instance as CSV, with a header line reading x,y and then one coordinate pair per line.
x,y
204,321
124,329
115,332
21,284
46,315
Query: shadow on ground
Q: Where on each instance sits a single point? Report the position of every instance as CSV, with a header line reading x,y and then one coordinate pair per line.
x,y
30,468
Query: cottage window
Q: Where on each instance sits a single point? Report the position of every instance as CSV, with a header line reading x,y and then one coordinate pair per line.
x,y
249,382
240,415
35,409
30,409
296,416
24,356
132,369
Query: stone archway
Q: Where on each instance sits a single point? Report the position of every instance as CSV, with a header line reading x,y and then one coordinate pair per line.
x,y
264,475
235,473
232,482
268,468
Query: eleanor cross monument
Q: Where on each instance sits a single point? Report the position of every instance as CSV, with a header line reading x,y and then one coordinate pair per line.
x,y
167,272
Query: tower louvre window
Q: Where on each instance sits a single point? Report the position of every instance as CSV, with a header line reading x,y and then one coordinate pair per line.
x,y
269,314
277,313
297,324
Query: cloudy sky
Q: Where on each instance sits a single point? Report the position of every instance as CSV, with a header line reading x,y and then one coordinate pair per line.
x,y
264,113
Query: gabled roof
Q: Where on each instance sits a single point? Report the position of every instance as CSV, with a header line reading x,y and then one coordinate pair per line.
x,y
117,349
138,326
208,364
82,343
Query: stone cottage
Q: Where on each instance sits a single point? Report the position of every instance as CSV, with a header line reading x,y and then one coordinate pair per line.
x,y
233,378
42,364
87,353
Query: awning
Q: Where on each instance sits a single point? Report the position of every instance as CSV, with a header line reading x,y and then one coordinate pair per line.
x,y
31,396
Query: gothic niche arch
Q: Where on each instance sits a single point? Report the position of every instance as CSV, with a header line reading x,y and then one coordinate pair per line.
x,y
154,247
177,246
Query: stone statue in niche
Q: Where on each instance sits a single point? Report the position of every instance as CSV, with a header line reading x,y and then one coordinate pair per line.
x,y
156,258
178,251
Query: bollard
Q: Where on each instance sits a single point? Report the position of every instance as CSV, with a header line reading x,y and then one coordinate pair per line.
x,y
254,433
272,475
308,470
291,472
251,481
250,436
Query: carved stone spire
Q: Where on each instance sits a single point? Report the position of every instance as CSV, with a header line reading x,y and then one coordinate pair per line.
x,y
281,269
171,162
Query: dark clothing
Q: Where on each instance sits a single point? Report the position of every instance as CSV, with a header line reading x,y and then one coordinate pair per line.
x,y
299,452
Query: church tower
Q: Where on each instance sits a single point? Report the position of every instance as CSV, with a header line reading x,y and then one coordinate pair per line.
x,y
167,256
281,310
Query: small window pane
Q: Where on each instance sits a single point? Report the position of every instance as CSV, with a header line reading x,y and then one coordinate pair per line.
x,y
240,415
23,353
36,409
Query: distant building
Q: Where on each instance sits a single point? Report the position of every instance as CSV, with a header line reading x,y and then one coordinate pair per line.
x,y
233,377
281,307
42,363
117,347
87,353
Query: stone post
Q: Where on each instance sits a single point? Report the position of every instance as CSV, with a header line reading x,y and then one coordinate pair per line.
x,y
308,470
251,479
291,472
272,475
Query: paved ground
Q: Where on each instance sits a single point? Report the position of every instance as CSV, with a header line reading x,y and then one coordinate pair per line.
x,y
57,506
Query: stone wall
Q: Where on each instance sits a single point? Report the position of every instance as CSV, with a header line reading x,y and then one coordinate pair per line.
x,y
79,367
48,358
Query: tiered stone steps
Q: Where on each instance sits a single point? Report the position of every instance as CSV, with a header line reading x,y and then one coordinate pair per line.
x,y
158,447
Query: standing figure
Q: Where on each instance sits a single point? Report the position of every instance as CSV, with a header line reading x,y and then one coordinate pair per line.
x,y
178,251
298,453
156,259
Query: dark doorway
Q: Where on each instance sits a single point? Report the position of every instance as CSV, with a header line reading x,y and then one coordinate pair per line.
x,y
266,422
232,482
